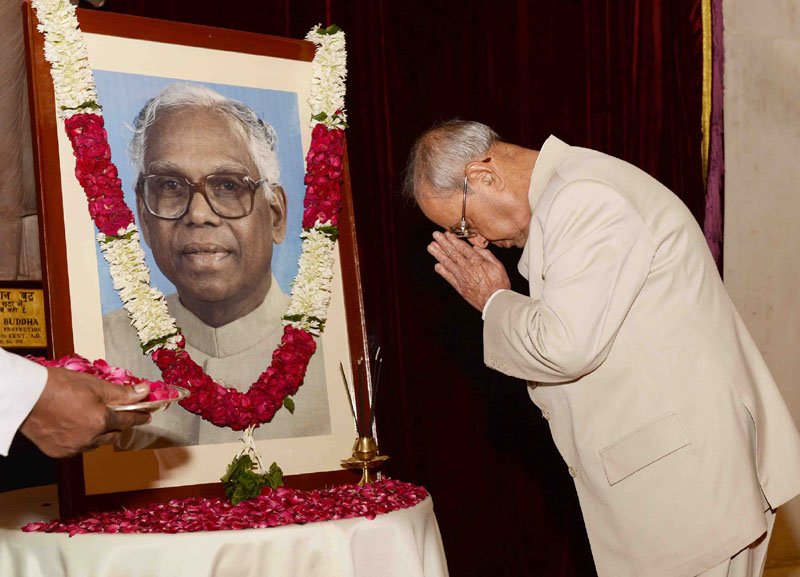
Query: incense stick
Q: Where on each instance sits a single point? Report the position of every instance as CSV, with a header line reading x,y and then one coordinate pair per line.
x,y
350,398
374,393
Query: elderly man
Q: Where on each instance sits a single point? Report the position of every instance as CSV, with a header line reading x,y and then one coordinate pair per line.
x,y
659,402
210,207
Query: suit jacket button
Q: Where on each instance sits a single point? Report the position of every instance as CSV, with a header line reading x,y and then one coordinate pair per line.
x,y
573,472
546,415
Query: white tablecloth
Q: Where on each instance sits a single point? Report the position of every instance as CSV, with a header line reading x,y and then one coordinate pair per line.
x,y
403,543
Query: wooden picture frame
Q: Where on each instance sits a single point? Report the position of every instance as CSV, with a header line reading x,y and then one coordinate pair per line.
x,y
114,42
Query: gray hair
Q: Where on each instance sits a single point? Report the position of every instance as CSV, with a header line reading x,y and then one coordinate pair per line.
x,y
439,156
261,138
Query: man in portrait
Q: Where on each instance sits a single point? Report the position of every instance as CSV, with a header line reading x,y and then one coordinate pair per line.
x,y
211,206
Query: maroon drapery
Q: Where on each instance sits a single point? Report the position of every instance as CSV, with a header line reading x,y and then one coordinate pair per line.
x,y
714,202
621,76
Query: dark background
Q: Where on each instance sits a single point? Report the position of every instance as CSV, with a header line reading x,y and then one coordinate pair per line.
x,y
620,76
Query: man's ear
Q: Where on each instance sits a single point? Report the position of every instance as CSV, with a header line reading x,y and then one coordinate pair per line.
x,y
482,173
277,205
144,222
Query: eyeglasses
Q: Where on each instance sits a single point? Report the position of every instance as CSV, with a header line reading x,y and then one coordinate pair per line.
x,y
229,195
462,230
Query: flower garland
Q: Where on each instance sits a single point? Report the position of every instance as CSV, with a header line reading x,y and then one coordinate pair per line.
x,y
274,508
76,103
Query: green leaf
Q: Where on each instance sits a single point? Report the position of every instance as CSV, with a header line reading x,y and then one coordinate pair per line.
x,y
113,237
236,467
149,345
320,117
274,477
92,104
249,486
331,30
339,122
241,482
288,402
298,318
331,231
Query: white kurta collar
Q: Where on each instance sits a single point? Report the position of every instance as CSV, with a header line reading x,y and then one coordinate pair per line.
x,y
236,336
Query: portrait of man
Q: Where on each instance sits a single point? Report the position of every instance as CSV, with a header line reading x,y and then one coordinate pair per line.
x,y
211,207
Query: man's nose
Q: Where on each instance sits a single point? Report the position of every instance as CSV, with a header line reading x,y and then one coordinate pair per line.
x,y
199,211
478,240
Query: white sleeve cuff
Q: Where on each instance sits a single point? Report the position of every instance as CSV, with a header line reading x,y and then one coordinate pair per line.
x,y
489,301
21,384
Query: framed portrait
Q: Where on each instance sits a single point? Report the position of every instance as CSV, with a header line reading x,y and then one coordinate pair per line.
x,y
136,60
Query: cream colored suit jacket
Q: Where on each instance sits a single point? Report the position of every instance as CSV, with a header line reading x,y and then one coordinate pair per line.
x,y
656,396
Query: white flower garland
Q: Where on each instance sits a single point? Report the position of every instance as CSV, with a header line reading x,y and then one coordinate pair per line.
x,y
328,71
65,49
146,305
311,289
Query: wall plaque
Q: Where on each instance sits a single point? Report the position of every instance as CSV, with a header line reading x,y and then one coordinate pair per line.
x,y
22,318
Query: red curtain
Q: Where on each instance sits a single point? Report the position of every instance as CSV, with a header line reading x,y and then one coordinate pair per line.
x,y
621,76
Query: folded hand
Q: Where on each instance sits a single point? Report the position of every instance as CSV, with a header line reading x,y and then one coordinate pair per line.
x,y
472,270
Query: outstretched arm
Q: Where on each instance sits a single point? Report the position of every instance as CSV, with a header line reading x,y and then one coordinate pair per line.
x,y
61,411
72,414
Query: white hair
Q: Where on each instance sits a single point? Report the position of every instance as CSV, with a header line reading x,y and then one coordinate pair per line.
x,y
261,138
439,156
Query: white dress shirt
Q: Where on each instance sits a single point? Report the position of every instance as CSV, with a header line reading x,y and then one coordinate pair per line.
x,y
21,384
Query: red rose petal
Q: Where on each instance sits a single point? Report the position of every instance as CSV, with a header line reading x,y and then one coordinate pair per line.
x,y
273,508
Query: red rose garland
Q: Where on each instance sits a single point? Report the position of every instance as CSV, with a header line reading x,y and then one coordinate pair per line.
x,y
325,165
222,406
97,174
227,407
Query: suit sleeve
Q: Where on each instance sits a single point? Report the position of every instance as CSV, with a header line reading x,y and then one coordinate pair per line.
x,y
21,384
596,256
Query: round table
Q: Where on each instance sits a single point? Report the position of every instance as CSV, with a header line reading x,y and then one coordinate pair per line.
x,y
403,543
